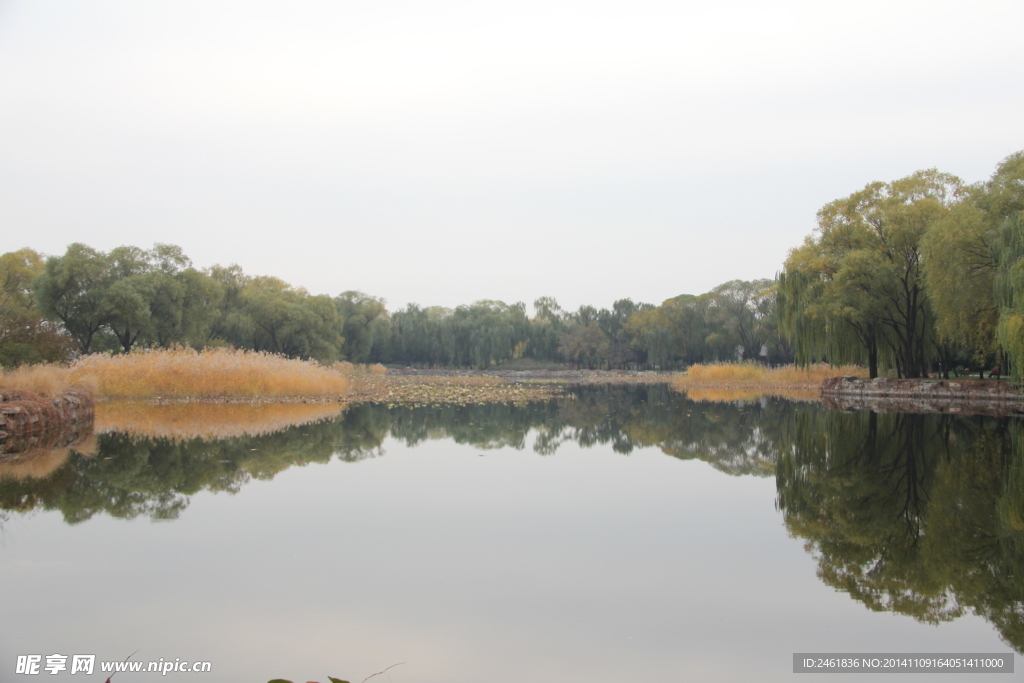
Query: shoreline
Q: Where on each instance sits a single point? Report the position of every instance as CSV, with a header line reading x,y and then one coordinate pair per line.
x,y
30,422
412,386
954,397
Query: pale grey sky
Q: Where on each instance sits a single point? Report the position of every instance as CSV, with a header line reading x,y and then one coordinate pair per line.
x,y
444,152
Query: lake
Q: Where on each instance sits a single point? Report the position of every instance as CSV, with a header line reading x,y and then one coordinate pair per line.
x,y
623,533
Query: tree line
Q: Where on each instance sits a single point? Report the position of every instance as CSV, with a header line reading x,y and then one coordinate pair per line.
x,y
919,275
85,300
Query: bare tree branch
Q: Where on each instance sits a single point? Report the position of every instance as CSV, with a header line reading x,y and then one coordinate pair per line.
x,y
380,672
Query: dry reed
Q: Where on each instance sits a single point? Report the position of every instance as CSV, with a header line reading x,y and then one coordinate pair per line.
x,y
346,368
754,375
211,421
47,381
212,373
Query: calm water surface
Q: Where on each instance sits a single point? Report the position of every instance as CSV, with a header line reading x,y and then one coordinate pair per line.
x,y
626,534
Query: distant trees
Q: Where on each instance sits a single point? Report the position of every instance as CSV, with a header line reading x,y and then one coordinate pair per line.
x,y
86,300
684,330
475,336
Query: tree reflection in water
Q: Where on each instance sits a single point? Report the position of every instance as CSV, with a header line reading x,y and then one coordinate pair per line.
x,y
917,514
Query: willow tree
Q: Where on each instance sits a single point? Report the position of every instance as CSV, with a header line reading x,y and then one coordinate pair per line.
x,y
545,327
1010,289
962,258
487,332
366,324
862,273
823,320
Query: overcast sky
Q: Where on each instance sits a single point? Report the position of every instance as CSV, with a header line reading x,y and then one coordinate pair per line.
x,y
445,152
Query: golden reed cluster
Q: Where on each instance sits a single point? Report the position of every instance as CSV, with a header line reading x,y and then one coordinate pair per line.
x,y
743,375
185,373
47,381
750,381
213,373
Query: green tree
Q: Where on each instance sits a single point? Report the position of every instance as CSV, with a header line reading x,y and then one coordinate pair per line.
x,y
25,336
366,324
233,324
962,256
1010,290
290,321
125,294
861,278
547,324
584,345
185,307
746,312
72,289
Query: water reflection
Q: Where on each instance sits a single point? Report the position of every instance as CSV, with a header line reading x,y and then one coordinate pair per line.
x,y
209,421
133,475
917,514
150,462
